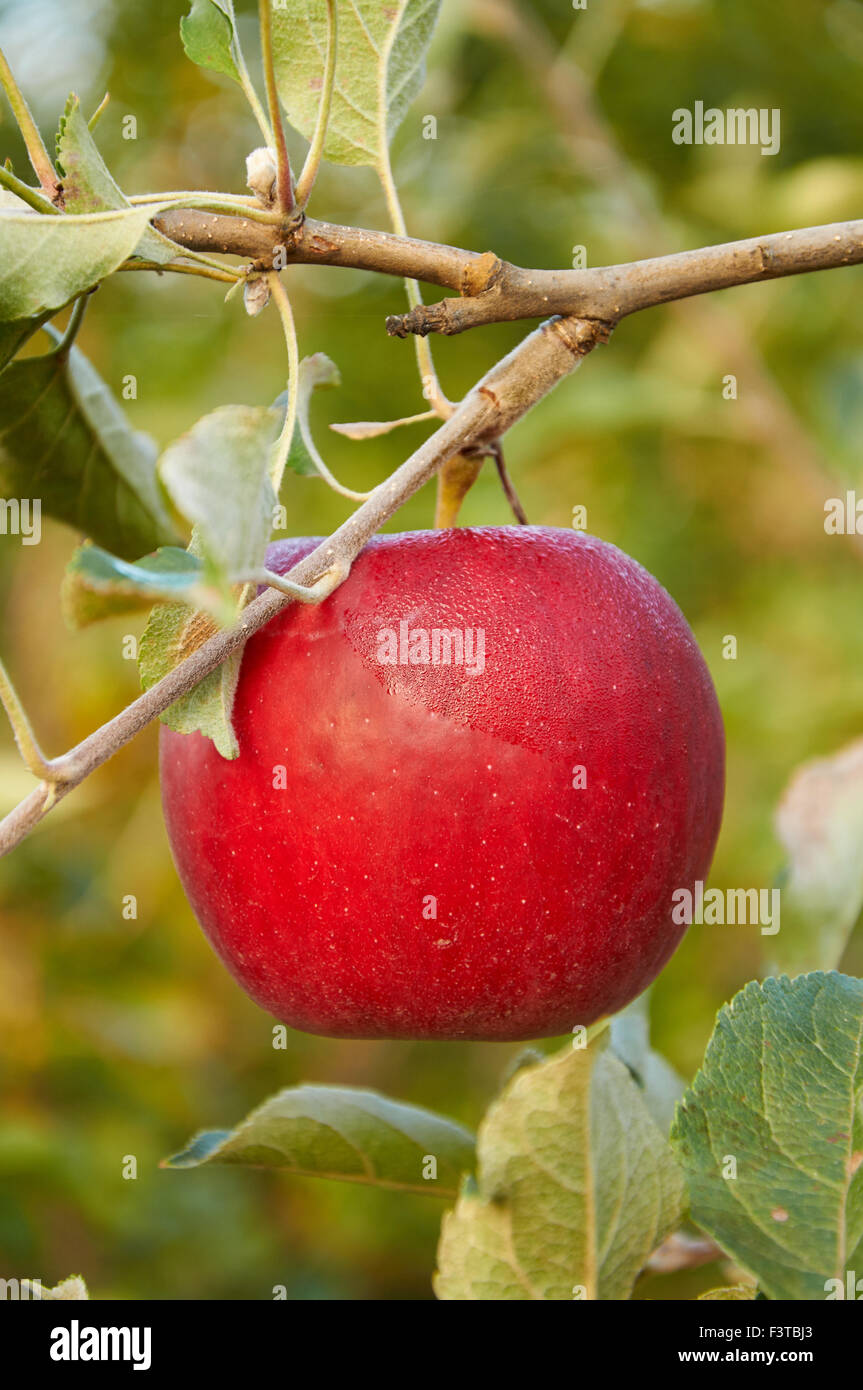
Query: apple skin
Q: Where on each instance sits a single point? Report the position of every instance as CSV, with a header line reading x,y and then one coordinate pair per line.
x,y
404,781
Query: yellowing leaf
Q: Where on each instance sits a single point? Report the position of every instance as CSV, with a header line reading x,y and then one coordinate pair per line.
x,y
576,1187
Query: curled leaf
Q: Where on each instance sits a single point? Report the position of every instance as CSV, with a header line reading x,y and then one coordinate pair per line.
x,y
345,1133
208,33
100,585
370,429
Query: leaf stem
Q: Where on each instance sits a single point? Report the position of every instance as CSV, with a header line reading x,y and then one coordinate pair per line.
x,y
184,195
324,471
283,444
303,593
38,154
28,747
248,87
231,271
284,184
94,119
431,386
292,415
306,181
224,273
28,195
217,203
76,318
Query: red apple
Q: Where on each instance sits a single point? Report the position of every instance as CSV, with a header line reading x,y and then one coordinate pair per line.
x,y
481,849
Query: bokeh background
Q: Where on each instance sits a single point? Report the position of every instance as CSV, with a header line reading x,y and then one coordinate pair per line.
x,y
553,130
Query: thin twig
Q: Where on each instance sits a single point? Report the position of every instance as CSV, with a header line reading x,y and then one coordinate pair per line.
x,y
507,484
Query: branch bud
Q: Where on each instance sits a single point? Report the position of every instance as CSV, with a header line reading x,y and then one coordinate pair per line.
x,y
261,174
256,295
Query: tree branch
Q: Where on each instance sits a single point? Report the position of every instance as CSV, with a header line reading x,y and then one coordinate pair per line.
x,y
591,302
494,291
493,405
611,292
305,241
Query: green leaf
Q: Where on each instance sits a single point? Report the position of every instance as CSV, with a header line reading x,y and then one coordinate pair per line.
x,y
15,334
576,1187
218,477
732,1293
88,186
659,1082
380,68
65,440
45,261
99,585
779,1101
207,32
173,633
339,1132
820,824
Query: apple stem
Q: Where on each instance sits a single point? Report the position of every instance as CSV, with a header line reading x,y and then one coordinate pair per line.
x,y
507,484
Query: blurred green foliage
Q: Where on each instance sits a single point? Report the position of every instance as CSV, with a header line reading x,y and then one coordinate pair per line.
x,y
122,1037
